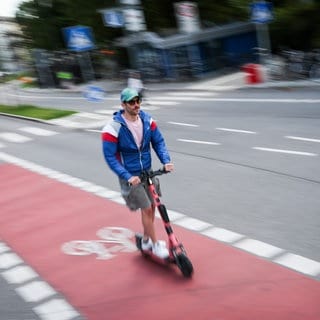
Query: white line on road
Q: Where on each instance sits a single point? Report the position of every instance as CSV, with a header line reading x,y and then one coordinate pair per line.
x,y
35,291
223,235
19,274
236,130
183,124
193,224
286,151
163,103
302,139
190,93
14,137
56,309
259,248
299,263
38,131
199,142
45,97
247,100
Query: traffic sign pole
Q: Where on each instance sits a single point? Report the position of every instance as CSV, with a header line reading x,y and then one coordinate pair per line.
x,y
261,15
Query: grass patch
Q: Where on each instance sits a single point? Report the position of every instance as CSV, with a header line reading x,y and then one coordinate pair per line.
x,y
35,112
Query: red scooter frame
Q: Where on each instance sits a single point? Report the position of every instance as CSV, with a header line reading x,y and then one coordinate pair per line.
x,y
177,253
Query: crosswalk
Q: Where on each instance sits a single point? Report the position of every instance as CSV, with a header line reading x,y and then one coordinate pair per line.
x,y
155,100
23,135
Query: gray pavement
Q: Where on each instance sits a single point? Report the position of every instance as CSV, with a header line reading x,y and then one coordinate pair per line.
x,y
233,81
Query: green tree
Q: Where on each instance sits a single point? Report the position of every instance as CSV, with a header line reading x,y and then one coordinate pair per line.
x,y
42,21
296,23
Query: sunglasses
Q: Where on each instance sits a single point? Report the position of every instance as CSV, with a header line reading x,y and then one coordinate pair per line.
x,y
134,101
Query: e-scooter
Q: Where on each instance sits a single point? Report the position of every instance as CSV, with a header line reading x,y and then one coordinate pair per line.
x,y
177,253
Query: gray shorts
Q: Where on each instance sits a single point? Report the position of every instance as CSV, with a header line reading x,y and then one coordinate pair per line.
x,y
138,197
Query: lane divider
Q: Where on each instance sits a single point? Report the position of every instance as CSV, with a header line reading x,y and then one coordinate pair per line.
x,y
47,303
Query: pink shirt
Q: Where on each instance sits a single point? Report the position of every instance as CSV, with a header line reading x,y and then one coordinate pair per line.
x,y
136,129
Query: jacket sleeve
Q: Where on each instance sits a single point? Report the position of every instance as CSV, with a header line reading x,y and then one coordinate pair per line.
x,y
110,150
158,143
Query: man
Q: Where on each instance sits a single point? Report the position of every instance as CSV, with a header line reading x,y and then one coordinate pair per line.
x,y
127,141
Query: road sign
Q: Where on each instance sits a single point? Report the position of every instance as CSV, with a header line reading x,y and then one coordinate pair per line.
x,y
94,94
261,12
113,18
78,38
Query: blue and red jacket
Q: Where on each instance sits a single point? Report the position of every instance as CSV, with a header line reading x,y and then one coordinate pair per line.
x,y
121,151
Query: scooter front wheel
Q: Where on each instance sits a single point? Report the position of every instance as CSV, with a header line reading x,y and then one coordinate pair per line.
x,y
185,265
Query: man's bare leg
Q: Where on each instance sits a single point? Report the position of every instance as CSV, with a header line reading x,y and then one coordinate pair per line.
x,y
147,217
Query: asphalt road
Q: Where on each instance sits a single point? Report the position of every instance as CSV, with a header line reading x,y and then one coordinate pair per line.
x,y
245,160
226,166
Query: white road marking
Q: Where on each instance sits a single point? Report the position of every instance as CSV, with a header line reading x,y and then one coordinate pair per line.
x,y
8,260
35,291
3,248
105,111
174,215
240,100
38,131
258,248
298,263
236,130
222,235
19,274
31,289
163,103
44,97
199,142
190,93
286,151
14,137
183,124
193,224
303,139
56,309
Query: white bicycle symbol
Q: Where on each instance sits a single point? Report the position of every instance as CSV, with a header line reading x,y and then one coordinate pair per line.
x,y
104,249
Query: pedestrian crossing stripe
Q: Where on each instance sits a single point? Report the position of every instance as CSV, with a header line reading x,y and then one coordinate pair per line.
x,y
38,131
14,137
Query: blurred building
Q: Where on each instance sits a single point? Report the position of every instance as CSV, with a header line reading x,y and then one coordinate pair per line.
x,y
193,51
10,53
194,54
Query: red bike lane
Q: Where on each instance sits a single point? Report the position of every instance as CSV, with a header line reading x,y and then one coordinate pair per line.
x,y
40,217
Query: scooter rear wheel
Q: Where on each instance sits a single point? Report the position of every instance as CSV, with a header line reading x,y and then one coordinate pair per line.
x,y
185,265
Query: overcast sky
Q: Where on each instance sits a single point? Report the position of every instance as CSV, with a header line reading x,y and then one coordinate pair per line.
x,y
8,7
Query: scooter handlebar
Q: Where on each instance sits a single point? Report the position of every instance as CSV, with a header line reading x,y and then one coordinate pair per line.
x,y
152,174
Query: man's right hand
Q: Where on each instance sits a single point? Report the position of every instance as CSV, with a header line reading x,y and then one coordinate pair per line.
x,y
134,180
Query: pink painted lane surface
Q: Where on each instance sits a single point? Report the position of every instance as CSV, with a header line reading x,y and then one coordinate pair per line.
x,y
39,215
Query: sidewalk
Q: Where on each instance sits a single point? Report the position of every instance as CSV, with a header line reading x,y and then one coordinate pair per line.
x,y
215,83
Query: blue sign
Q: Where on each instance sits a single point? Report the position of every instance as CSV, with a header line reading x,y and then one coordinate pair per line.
x,y
261,12
94,94
113,18
78,38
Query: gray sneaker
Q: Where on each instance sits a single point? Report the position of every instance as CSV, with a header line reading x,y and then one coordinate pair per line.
x,y
160,250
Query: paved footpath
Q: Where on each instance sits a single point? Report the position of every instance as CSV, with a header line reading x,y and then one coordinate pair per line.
x,y
71,255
